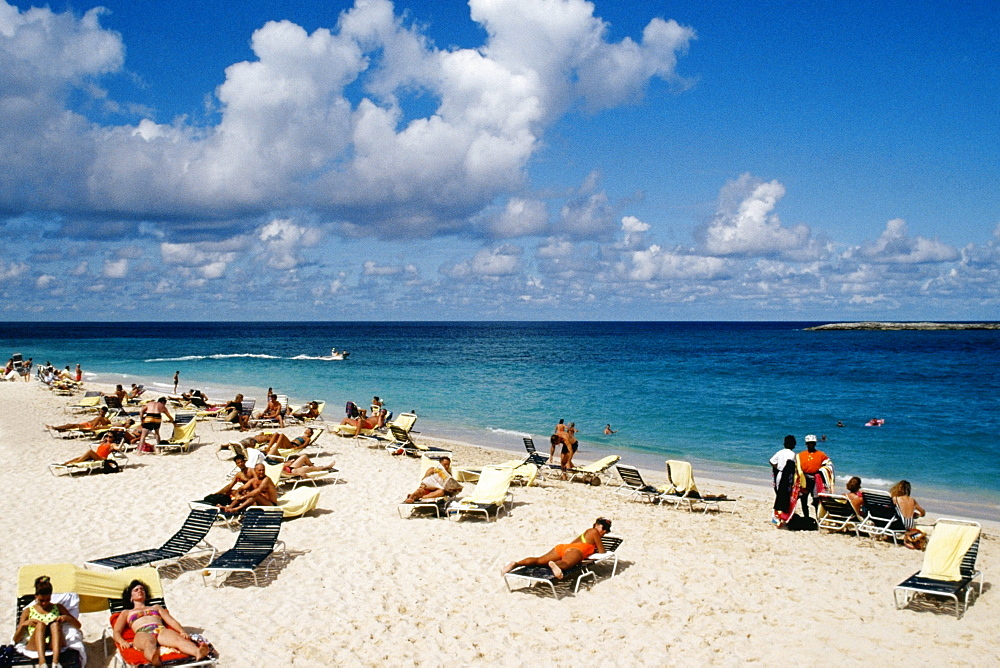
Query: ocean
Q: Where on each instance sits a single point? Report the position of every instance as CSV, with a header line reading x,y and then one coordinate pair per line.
x,y
722,394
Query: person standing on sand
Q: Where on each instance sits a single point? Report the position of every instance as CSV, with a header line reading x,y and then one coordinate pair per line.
x,y
559,432
811,478
177,380
783,476
79,373
150,416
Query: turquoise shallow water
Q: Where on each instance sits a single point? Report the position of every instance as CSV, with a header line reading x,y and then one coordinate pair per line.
x,y
723,394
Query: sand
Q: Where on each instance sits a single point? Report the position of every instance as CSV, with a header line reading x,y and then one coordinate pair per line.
x,y
364,587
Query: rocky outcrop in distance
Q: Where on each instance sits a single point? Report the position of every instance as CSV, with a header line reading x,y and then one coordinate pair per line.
x,y
892,326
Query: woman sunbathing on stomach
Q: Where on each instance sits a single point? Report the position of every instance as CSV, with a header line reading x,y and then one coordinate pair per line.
x,y
568,555
153,626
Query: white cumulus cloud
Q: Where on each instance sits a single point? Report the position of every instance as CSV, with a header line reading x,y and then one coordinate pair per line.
x,y
896,246
745,223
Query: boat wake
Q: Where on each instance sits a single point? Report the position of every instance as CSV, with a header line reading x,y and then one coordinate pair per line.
x,y
226,356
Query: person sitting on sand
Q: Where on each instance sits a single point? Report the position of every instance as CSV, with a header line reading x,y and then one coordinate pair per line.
x,y
301,466
361,422
98,422
259,491
98,454
909,510
43,620
563,557
437,482
854,495
281,442
153,627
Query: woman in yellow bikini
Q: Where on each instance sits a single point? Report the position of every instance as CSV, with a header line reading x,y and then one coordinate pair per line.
x,y
153,626
42,620
566,556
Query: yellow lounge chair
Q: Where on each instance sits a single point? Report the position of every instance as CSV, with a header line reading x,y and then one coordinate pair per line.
x,y
184,434
596,473
949,568
491,494
682,488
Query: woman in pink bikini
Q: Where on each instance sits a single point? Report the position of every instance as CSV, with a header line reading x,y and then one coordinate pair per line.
x,y
153,626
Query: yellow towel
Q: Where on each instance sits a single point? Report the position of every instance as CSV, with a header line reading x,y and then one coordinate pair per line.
x,y
945,550
299,501
681,475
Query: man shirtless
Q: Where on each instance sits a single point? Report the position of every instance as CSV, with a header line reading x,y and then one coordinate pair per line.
x,y
150,417
259,491
98,422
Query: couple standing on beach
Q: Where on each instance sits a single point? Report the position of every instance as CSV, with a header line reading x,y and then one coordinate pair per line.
x,y
567,437
798,477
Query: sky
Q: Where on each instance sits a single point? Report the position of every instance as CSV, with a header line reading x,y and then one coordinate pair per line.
x,y
499,160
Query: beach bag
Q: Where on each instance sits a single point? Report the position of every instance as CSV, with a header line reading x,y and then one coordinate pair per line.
x,y
111,466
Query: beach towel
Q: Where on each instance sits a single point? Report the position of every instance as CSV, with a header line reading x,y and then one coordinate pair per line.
x,y
946,549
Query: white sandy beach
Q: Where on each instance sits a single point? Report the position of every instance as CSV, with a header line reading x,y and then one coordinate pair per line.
x,y
364,587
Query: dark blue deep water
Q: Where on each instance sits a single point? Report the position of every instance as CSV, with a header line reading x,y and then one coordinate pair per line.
x,y
722,394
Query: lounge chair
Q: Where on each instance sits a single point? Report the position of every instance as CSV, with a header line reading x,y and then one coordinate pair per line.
x,y
190,537
682,488
634,487
130,656
881,519
290,418
524,472
88,467
596,473
73,653
185,425
270,422
538,458
254,546
491,494
949,567
246,411
438,504
89,403
115,407
836,513
542,575
403,440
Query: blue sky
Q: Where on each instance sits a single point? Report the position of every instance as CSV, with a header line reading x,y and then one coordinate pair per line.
x,y
500,159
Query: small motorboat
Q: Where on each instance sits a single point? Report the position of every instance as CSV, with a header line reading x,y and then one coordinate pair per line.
x,y
338,354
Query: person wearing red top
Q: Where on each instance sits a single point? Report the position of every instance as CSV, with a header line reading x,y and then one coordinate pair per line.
x,y
810,462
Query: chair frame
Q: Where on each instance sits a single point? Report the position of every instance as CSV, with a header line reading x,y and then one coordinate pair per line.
x,y
634,486
196,526
840,515
255,546
915,585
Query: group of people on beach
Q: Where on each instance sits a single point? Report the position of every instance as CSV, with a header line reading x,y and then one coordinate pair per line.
x,y
803,476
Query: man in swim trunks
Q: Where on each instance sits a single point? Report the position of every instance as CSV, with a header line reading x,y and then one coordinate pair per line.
x,y
150,417
97,423
260,491
565,556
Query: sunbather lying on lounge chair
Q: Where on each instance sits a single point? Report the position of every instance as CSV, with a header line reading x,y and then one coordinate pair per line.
x,y
100,421
302,466
566,556
307,412
100,453
361,422
282,442
153,627
437,482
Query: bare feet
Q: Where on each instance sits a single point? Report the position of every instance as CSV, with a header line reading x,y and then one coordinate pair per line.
x,y
507,569
556,570
203,651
